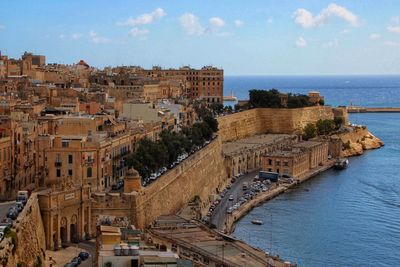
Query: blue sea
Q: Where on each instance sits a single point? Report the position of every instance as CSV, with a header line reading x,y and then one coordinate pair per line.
x,y
339,218
370,91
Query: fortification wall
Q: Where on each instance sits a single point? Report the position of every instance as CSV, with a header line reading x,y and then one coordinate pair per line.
x,y
268,120
199,175
30,243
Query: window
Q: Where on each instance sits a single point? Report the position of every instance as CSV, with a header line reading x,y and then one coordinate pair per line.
x,y
70,172
64,143
58,173
89,172
70,159
286,164
270,162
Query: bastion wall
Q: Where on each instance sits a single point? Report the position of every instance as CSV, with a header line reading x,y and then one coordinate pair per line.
x,y
199,175
269,120
29,247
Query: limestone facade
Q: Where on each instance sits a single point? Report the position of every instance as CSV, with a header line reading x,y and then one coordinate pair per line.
x,y
244,155
66,214
295,162
267,120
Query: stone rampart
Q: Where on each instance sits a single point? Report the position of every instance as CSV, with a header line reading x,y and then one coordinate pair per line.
x,y
199,175
29,246
269,120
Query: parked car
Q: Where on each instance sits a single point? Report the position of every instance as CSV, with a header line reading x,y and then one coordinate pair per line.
x,y
19,205
76,260
7,222
12,213
231,198
2,232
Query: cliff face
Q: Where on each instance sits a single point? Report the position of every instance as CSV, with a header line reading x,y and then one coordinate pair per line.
x,y
359,139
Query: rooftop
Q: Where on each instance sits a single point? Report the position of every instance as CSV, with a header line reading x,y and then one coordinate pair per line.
x,y
234,147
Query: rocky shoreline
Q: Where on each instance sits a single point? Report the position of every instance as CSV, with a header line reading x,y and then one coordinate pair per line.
x,y
359,139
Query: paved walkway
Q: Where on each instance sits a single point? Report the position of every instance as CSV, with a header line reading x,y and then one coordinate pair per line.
x,y
63,256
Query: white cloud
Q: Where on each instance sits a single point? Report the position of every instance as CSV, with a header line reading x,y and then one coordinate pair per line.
x,y
61,36
146,18
76,36
374,36
393,29
395,20
217,22
270,20
301,42
136,32
306,19
191,24
345,31
392,43
97,39
238,23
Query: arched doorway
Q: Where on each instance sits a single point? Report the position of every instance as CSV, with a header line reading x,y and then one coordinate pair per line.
x,y
74,229
63,231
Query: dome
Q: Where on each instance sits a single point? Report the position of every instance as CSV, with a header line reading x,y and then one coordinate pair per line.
x,y
132,173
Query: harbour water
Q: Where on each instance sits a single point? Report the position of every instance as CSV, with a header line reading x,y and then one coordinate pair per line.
x,y
340,218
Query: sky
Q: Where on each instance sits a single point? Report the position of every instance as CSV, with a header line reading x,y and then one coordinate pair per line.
x,y
254,37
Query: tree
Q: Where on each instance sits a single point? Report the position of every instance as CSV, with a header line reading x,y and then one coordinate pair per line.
x,y
298,101
217,108
265,98
325,127
212,123
310,131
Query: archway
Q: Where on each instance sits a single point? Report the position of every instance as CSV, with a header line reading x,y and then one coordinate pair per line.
x,y
74,229
63,230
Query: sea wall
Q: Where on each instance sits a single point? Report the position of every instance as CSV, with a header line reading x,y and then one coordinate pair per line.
x,y
199,175
267,120
357,140
29,246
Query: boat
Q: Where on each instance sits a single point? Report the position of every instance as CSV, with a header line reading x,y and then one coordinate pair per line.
x,y
341,163
256,221
230,98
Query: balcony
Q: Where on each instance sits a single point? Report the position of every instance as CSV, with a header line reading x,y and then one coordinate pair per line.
x,y
58,163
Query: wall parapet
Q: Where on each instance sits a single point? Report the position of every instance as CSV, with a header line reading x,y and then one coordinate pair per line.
x,y
270,120
30,245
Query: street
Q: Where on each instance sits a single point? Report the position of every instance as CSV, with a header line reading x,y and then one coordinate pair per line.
x,y
4,206
217,217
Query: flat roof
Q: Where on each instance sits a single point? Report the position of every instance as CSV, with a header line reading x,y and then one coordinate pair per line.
x,y
307,144
231,148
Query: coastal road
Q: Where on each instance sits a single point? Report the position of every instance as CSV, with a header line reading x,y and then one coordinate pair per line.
x,y
218,216
4,206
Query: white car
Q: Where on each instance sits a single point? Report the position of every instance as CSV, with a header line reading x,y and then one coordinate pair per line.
x,y
231,198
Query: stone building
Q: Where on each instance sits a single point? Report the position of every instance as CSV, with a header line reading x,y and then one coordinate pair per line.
x,y
65,213
290,163
205,83
245,155
5,165
315,97
296,160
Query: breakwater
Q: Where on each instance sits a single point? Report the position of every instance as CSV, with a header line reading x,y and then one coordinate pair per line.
x,y
373,110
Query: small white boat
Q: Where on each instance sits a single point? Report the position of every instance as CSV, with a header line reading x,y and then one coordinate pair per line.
x,y
256,221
